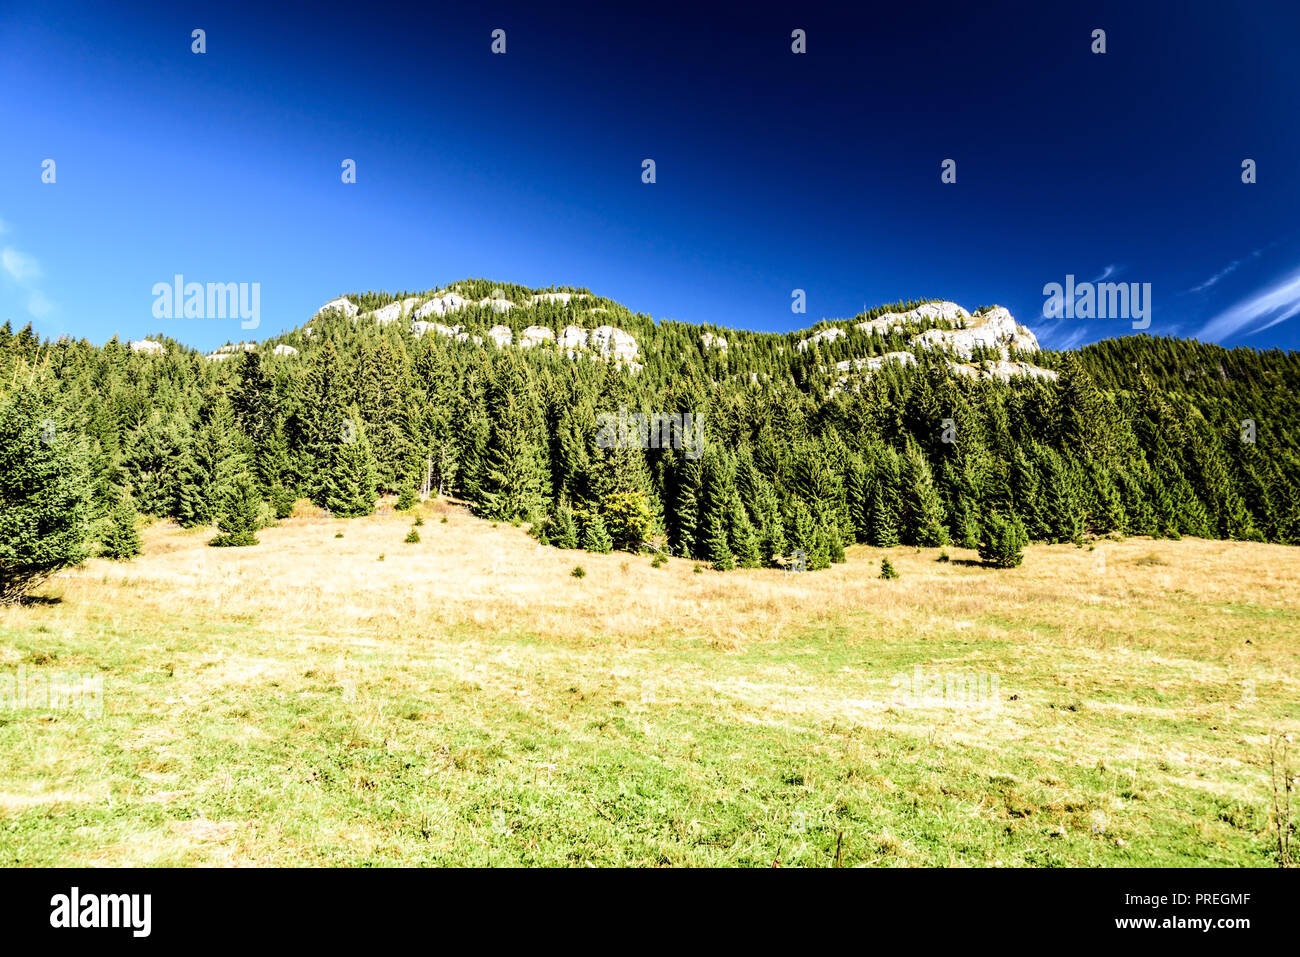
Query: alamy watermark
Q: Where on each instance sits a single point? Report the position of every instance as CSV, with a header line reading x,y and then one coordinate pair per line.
x,y
52,691
943,689
683,431
1098,300
215,300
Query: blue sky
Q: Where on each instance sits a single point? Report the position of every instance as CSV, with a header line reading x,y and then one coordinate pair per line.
x,y
775,171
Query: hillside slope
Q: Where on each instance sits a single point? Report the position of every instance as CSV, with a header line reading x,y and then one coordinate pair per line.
x,y
917,423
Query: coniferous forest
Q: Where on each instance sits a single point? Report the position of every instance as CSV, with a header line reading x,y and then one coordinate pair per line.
x,y
1137,436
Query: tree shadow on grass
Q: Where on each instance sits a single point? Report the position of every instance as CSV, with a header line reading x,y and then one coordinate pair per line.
x,y
39,600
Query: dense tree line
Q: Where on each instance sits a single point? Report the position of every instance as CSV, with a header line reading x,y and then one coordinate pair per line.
x,y
1140,435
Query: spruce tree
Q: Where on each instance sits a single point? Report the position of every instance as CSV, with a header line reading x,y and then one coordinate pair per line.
x,y
240,514
515,482
406,497
564,529
719,551
1003,541
385,403
44,495
120,539
883,526
819,553
628,519
207,468
923,513
596,537
744,540
349,485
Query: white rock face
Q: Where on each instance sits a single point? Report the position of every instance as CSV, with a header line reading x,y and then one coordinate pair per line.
x,y
949,311
389,313
419,328
343,304
220,356
442,305
232,347
501,335
1004,370
882,324
148,346
874,363
996,329
612,341
826,335
926,312
536,335
870,365
498,305
573,337
409,303
283,350
710,341
563,297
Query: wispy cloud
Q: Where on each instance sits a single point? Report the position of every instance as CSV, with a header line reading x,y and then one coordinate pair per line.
x,y
1108,272
38,305
1063,335
21,267
1227,270
1266,308
23,270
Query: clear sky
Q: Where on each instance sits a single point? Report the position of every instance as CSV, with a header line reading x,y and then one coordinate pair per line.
x,y
775,171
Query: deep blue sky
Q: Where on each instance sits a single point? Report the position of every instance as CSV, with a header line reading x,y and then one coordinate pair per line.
x,y
775,171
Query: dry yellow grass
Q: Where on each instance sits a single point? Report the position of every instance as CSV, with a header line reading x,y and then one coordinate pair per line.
x,y
1122,692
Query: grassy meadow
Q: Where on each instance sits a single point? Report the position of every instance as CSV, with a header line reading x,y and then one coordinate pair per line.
x,y
467,700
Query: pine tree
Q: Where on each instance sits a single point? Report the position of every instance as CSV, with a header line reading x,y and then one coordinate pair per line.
x,y
596,537
240,514
207,468
515,483
686,513
384,402
273,473
719,551
120,539
44,507
564,529
406,497
349,485
627,518
923,519
319,424
744,541
819,553
1003,541
1062,514
883,525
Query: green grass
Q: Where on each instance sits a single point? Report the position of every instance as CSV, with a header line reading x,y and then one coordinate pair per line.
x,y
229,739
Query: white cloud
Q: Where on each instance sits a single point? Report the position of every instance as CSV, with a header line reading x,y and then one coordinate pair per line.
x,y
22,267
1228,270
1063,334
38,305
1277,303
24,270
1225,271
